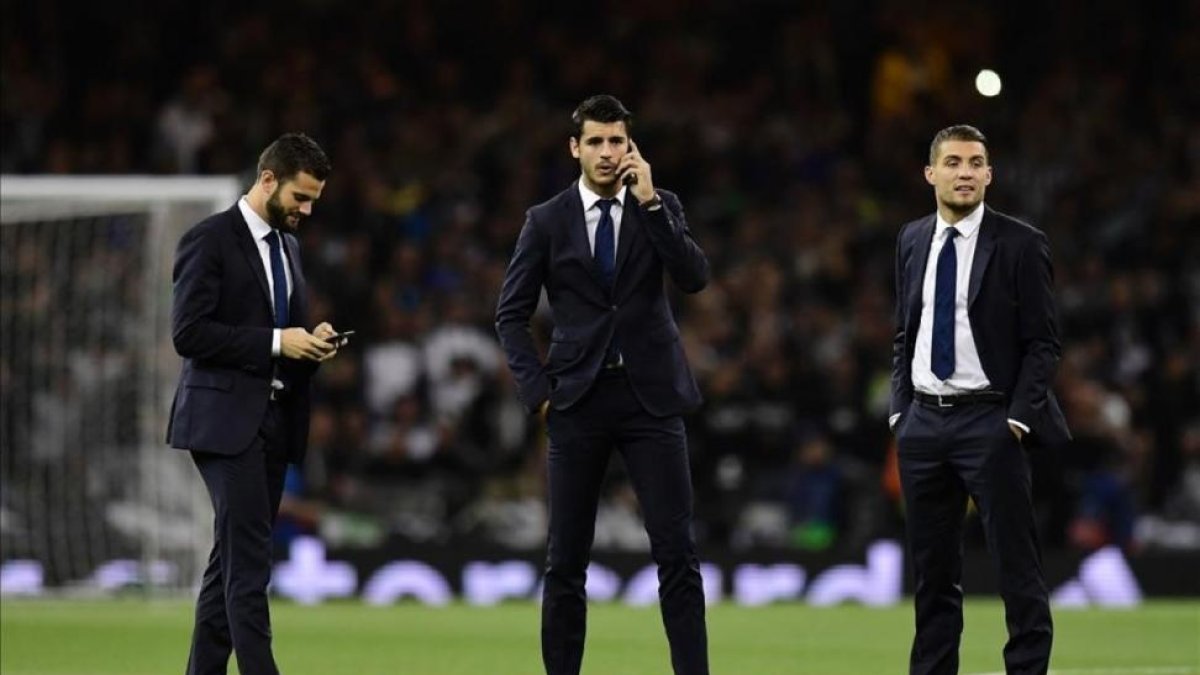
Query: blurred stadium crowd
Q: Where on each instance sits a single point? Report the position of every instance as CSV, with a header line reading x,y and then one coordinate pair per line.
x,y
796,139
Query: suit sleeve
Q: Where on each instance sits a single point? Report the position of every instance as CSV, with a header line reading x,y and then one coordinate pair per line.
x,y
682,257
901,364
518,299
1037,331
197,290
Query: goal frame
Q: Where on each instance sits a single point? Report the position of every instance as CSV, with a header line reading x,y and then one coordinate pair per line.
x,y
32,198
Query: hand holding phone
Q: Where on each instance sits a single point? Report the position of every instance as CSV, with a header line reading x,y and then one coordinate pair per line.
x,y
339,340
635,173
629,177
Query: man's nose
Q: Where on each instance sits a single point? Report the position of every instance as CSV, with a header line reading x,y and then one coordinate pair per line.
x,y
306,208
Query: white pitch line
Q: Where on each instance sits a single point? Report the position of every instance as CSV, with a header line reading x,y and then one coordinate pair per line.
x,y
1129,670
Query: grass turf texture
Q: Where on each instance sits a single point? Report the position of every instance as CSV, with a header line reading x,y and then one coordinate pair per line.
x,y
132,637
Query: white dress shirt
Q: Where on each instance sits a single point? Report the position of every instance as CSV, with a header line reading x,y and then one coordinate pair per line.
x,y
968,375
591,214
259,229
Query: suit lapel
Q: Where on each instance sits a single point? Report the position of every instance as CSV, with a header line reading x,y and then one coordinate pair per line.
x,y
578,235
630,223
922,242
250,249
983,254
297,304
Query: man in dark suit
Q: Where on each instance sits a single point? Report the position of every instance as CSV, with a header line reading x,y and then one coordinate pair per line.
x,y
615,375
242,404
975,352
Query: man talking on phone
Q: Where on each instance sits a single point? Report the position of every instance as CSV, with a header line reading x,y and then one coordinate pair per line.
x,y
242,404
615,377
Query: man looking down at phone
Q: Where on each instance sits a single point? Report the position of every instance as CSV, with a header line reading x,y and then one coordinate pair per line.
x,y
242,405
615,377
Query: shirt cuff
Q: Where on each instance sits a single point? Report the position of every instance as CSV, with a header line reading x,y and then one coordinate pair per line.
x,y
892,420
1020,425
276,337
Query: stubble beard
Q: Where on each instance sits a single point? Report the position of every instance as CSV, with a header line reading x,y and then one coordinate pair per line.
x,y
600,185
277,217
962,208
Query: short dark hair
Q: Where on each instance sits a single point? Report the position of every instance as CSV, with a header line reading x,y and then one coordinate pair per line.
x,y
957,132
601,108
292,154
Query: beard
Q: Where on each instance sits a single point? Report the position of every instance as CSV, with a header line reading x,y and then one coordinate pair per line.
x,y
960,206
606,185
277,216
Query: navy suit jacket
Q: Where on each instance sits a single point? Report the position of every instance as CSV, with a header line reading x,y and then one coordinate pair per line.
x,y
553,252
221,324
1010,304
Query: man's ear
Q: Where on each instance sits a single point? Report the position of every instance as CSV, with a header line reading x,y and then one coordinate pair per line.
x,y
266,178
574,143
929,175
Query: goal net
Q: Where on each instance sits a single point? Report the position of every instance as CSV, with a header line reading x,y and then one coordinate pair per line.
x,y
90,496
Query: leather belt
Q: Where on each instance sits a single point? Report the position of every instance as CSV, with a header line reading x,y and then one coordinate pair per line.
x,y
956,400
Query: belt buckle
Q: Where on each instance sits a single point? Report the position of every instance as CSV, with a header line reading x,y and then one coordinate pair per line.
x,y
943,405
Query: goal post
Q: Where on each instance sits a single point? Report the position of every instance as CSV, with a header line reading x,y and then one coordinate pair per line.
x,y
88,490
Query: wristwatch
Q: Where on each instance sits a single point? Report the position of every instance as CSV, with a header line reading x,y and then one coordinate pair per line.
x,y
652,204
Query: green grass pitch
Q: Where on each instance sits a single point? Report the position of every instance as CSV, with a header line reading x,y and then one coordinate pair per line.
x,y
134,637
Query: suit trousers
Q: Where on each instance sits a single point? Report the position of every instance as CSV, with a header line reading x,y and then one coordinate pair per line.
x,y
947,455
231,611
655,453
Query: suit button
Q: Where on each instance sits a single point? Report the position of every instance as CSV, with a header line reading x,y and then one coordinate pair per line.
x,y
614,308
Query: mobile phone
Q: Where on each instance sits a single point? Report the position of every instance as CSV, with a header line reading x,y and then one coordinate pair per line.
x,y
630,178
340,339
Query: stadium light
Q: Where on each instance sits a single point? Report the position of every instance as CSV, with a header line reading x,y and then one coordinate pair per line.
x,y
987,83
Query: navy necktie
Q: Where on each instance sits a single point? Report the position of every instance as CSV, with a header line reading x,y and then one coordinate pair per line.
x,y
606,261
279,279
605,251
944,293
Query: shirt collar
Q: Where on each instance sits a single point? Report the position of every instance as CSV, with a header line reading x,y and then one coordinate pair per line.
x,y
967,227
590,198
259,229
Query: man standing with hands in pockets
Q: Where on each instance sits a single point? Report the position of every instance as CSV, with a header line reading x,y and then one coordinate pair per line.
x,y
615,377
975,351
242,405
